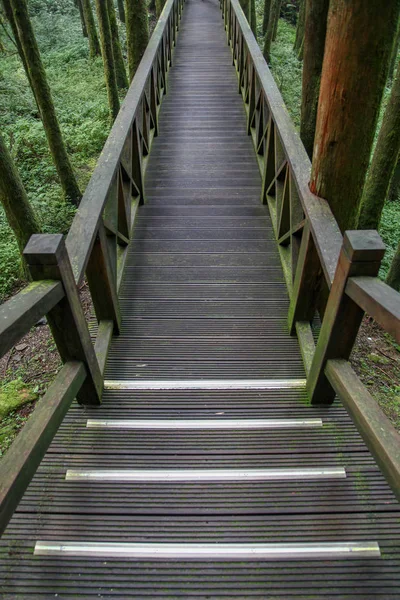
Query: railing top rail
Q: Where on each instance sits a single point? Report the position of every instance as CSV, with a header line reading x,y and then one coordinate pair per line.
x,y
325,230
82,233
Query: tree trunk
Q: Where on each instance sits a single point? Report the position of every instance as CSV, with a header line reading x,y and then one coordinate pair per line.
x,y
83,23
137,32
253,17
267,9
121,11
314,46
393,56
108,57
357,52
300,27
270,29
10,18
45,101
159,6
278,14
393,278
120,71
383,162
394,189
17,208
94,46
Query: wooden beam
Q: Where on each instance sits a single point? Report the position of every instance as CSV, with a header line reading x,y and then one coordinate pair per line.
x,y
23,458
23,310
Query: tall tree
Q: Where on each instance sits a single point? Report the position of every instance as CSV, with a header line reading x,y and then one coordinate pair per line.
x,y
267,8
45,101
278,14
10,18
17,208
253,17
350,97
300,27
273,16
395,51
120,71
314,46
383,162
393,277
108,57
394,189
78,4
94,46
137,32
121,11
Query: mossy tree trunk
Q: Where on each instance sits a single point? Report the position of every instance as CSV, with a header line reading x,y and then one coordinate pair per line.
x,y
300,27
394,189
81,14
121,11
270,29
357,52
393,277
14,200
120,71
94,45
137,32
383,162
10,18
278,14
267,8
314,45
253,17
395,51
45,101
108,57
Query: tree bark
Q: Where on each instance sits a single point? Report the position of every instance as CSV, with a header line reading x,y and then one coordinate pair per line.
x,y
314,46
393,277
300,27
94,46
121,11
357,53
278,14
10,18
267,8
394,189
137,32
83,23
393,56
45,101
17,208
270,29
120,71
383,163
108,57
253,17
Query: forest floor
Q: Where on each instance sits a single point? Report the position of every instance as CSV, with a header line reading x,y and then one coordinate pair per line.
x,y
78,87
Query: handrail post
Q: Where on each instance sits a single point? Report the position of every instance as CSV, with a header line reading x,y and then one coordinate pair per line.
x,y
305,286
361,254
47,258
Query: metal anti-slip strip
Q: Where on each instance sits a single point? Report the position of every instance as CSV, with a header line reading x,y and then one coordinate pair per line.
x,y
203,423
203,475
322,551
206,384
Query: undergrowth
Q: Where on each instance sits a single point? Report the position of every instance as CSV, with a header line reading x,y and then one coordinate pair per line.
x,y
79,94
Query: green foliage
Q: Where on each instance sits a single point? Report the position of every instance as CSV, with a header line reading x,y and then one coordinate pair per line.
x,y
78,89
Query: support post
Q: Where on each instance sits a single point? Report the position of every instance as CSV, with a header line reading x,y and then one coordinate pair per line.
x,y
47,258
361,254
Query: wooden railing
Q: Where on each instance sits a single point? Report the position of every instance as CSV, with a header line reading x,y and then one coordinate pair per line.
x,y
96,247
327,276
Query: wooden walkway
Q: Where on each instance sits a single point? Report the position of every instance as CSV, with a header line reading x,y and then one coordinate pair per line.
x,y
237,488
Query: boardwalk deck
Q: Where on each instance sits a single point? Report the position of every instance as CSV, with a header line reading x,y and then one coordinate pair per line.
x,y
204,335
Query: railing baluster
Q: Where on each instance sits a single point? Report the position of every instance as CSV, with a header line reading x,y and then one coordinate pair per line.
x,y
47,258
361,254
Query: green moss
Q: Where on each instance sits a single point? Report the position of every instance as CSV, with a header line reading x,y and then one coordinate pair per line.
x,y
14,395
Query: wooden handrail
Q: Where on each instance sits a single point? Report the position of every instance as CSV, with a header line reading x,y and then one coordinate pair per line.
x,y
96,246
